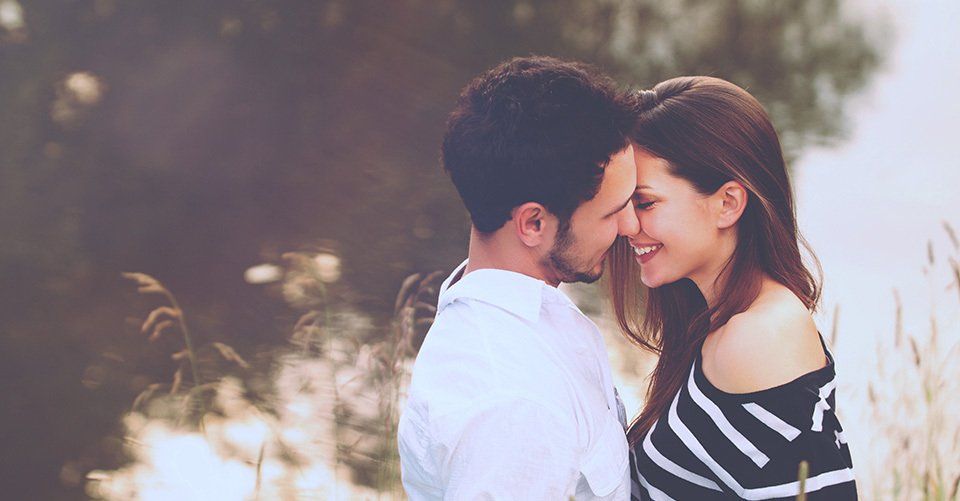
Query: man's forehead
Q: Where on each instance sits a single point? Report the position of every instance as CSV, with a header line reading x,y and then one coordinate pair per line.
x,y
619,179
620,173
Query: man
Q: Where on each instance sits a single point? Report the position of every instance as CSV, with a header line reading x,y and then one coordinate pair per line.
x,y
511,395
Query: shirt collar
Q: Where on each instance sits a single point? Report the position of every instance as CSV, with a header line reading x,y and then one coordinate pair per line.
x,y
514,292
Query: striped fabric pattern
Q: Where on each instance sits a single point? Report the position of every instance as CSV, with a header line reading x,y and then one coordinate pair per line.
x,y
715,445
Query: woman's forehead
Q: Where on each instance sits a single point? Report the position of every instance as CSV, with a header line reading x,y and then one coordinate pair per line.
x,y
651,171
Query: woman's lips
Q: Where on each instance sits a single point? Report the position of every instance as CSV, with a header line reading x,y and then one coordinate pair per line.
x,y
646,252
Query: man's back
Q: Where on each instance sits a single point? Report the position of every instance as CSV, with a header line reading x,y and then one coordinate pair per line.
x,y
511,398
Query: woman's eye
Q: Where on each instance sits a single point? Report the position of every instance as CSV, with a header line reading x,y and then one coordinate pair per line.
x,y
643,206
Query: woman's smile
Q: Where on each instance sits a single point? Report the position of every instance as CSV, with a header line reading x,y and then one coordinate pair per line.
x,y
646,252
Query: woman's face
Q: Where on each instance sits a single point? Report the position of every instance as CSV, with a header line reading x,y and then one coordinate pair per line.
x,y
677,222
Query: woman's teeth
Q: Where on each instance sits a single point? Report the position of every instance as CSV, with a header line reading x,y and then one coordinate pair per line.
x,y
643,250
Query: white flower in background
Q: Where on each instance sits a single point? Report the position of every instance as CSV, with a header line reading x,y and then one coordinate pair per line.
x,y
11,15
327,267
307,276
77,92
263,274
84,88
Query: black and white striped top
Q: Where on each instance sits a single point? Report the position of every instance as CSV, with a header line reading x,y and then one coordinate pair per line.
x,y
716,445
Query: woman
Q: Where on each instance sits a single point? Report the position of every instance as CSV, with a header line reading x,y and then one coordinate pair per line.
x,y
743,389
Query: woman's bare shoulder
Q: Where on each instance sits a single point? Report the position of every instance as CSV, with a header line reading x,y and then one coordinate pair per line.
x,y
771,343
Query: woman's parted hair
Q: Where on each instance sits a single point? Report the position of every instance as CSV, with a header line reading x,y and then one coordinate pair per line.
x,y
710,132
534,129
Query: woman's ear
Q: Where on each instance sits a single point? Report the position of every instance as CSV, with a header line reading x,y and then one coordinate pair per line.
x,y
732,200
531,221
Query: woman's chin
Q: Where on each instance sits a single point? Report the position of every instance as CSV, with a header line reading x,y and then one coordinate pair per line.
x,y
654,280
650,282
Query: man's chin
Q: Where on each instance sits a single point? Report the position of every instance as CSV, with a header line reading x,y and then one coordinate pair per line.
x,y
587,277
569,274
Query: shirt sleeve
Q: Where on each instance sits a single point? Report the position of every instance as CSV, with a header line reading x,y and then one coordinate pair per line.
x,y
513,448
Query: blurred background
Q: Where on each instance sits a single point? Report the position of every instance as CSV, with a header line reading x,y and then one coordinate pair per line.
x,y
219,223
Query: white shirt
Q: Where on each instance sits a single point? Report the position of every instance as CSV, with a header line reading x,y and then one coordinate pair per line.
x,y
512,398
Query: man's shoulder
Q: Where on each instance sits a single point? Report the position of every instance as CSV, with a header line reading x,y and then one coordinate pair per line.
x,y
478,332
481,312
462,360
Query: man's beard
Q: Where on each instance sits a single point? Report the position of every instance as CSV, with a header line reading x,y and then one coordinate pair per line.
x,y
564,261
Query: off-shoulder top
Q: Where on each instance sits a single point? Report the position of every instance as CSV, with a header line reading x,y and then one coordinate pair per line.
x,y
710,444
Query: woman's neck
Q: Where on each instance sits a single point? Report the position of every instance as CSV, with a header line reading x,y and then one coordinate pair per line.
x,y
712,284
712,277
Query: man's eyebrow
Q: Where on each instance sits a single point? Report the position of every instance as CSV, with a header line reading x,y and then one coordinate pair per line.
x,y
618,209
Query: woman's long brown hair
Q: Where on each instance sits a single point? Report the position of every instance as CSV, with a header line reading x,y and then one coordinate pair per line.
x,y
710,132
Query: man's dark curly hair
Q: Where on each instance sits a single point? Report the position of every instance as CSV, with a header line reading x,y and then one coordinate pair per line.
x,y
534,129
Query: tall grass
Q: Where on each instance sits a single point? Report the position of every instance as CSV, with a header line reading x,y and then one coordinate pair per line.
x,y
315,418
167,318
913,398
333,397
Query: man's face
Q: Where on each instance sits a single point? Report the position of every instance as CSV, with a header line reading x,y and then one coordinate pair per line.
x,y
579,249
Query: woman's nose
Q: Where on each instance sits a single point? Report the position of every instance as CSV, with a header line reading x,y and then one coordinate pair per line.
x,y
629,223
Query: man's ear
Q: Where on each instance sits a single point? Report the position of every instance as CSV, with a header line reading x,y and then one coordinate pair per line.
x,y
731,199
531,222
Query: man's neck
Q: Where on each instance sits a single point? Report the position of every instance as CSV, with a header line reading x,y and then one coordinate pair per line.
x,y
487,252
